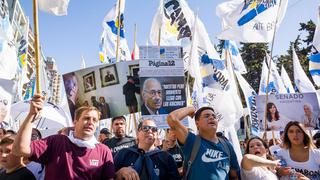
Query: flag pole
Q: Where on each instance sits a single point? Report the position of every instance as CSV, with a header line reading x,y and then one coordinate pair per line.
x,y
134,40
269,70
159,36
118,32
36,44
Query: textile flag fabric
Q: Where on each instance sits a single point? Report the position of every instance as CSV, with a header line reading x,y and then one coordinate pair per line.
x,y
316,37
135,52
286,80
55,7
314,68
175,20
6,91
250,20
301,80
250,97
8,54
275,85
237,62
108,43
314,63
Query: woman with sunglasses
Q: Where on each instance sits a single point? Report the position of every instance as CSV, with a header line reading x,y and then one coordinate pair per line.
x,y
145,161
257,163
299,153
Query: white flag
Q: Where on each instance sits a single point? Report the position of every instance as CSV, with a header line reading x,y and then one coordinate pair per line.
x,y
56,7
316,37
6,91
286,80
175,20
250,97
250,20
236,58
108,42
301,80
82,63
275,85
8,51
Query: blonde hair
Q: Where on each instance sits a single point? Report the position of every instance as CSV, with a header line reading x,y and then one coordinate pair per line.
x,y
81,109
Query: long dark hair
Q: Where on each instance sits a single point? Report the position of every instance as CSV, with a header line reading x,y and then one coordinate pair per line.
x,y
264,144
307,140
269,106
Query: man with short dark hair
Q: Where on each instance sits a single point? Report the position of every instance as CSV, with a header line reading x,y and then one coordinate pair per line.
x,y
120,139
13,165
215,157
104,135
76,156
145,161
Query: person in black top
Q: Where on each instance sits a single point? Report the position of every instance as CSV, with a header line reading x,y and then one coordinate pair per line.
x,y
120,139
13,165
174,149
145,160
104,135
129,91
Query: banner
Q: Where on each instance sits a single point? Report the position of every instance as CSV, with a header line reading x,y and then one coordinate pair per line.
x,y
283,108
105,87
162,88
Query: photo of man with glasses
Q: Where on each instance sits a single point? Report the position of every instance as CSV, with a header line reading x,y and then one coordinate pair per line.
x,y
152,97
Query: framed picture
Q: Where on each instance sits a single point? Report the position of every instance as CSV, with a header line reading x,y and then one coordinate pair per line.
x,y
109,75
89,82
134,72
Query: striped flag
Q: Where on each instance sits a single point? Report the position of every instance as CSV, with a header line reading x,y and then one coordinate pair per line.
x,y
314,63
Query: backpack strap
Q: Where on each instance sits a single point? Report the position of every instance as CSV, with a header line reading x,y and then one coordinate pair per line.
x,y
193,155
225,146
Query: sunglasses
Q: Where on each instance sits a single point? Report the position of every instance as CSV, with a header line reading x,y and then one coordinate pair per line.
x,y
147,128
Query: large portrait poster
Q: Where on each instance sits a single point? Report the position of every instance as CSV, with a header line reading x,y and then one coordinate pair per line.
x,y
162,88
112,88
283,108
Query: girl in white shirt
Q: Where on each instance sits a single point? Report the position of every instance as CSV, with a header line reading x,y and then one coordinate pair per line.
x,y
299,152
257,163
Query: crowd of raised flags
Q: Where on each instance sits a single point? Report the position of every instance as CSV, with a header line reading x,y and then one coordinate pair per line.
x,y
175,24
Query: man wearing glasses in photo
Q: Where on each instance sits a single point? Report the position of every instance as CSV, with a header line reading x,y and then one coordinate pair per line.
x,y
152,97
145,161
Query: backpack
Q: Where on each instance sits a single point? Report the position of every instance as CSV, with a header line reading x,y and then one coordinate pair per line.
x,y
188,163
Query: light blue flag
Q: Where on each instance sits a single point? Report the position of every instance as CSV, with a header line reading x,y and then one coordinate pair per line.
x,y
236,58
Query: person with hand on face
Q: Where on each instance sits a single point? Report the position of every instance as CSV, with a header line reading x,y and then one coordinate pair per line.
x,y
215,157
257,163
152,97
76,156
120,139
145,161
299,153
309,119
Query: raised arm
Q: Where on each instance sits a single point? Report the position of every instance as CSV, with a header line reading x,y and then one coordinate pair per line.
x,y
249,161
174,121
21,145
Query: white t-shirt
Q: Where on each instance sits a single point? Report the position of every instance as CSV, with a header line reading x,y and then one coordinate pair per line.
x,y
310,168
280,124
258,173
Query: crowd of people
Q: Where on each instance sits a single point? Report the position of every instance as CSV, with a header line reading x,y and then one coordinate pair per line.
x,y
75,153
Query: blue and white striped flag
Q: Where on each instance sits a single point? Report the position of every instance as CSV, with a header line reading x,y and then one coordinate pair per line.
x,y
314,63
250,20
237,62
108,44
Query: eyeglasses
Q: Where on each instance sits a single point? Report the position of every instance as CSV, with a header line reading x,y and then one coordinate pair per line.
x,y
207,116
147,128
154,92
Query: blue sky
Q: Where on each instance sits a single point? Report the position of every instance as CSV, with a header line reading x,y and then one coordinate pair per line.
x,y
67,38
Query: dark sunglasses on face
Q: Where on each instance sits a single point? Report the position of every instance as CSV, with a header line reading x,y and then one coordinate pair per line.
x,y
147,128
